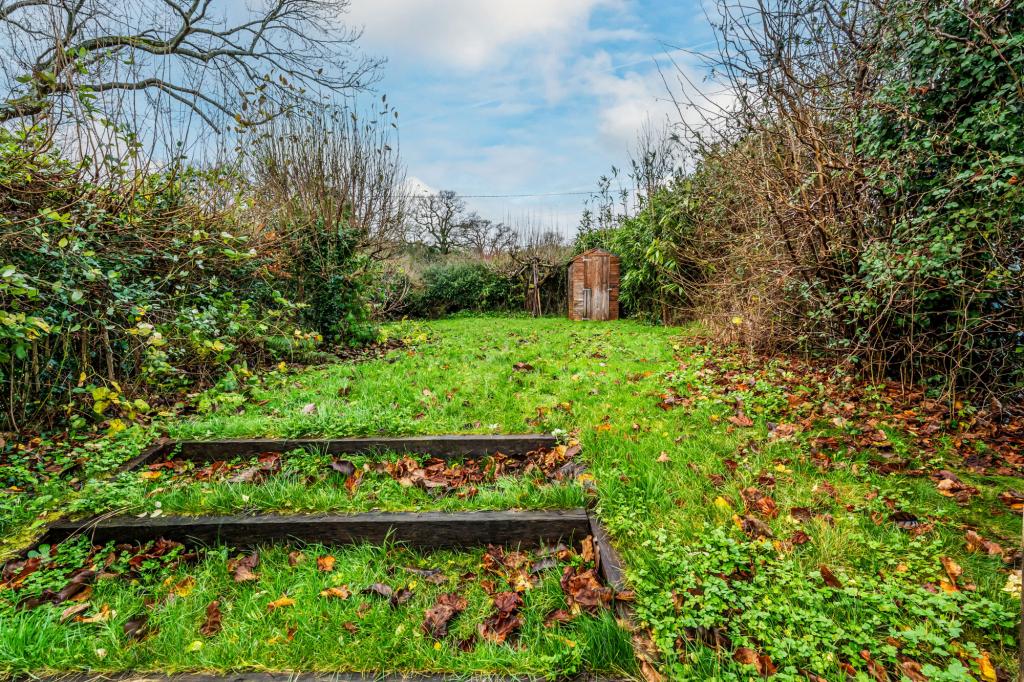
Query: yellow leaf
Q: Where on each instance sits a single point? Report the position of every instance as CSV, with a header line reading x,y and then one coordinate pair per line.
x,y
337,592
184,587
988,672
280,603
1012,586
103,616
723,504
149,475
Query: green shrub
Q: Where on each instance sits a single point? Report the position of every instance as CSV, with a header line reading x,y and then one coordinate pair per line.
x,y
651,266
455,287
941,291
119,293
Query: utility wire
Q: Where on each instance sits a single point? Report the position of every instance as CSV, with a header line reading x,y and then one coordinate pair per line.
x,y
509,196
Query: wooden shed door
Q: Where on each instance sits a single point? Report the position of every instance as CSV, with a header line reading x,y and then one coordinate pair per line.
x,y
595,278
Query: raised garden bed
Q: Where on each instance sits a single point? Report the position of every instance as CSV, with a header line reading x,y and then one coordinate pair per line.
x,y
347,476
361,608
366,593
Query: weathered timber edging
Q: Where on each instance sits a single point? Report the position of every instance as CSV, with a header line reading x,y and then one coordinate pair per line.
x,y
467,446
426,530
609,563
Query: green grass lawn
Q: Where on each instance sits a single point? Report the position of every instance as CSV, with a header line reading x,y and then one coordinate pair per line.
x,y
819,579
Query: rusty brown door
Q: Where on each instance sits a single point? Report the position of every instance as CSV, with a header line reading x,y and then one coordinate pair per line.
x,y
595,286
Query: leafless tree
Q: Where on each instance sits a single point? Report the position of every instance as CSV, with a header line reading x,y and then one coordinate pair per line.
x,y
780,184
484,237
222,61
437,220
652,160
336,166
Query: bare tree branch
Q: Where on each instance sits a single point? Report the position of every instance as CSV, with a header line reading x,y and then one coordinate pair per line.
x,y
212,58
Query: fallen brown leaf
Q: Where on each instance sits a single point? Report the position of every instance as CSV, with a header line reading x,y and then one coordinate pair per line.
x,y
976,542
505,621
755,528
799,537
953,572
340,592
829,577
912,671
137,628
557,616
875,669
343,467
380,589
437,617
212,625
763,664
1012,499
741,420
757,502
74,610
430,575
242,568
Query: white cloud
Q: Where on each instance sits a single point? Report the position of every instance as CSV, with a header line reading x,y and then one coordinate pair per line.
x,y
416,187
471,34
628,99
520,96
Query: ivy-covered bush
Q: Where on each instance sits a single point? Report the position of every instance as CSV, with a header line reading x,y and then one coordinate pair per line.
x,y
942,286
876,217
328,273
120,294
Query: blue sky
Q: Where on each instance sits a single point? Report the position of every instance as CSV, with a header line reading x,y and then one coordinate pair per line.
x,y
524,97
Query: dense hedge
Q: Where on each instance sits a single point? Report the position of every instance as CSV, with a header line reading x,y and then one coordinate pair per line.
x,y
121,294
463,286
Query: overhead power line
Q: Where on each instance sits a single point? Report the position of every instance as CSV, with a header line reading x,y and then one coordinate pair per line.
x,y
510,196
540,194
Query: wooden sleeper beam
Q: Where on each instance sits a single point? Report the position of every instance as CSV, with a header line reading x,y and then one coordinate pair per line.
x,y
446,447
425,530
